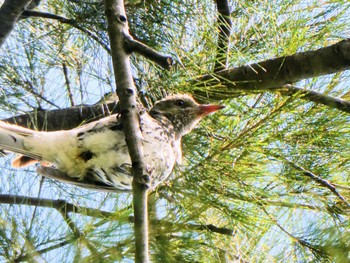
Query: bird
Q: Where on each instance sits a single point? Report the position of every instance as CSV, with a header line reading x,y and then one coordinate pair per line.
x,y
95,155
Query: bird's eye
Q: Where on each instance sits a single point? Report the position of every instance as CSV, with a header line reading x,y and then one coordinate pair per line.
x,y
180,103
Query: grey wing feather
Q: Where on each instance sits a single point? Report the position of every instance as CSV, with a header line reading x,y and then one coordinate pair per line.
x,y
55,174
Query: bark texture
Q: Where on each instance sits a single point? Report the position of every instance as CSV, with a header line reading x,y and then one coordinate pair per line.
x,y
118,31
10,12
274,73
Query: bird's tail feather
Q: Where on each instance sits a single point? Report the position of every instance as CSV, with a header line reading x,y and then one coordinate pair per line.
x,y
16,129
12,139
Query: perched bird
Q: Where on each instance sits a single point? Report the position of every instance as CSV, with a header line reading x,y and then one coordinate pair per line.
x,y
96,156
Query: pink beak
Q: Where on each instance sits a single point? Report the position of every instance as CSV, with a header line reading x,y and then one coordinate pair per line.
x,y
207,109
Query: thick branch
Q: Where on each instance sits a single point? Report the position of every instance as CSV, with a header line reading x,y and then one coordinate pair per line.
x,y
33,4
117,31
274,73
10,12
64,119
225,25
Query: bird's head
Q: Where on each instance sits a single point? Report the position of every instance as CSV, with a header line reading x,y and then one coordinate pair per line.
x,y
183,112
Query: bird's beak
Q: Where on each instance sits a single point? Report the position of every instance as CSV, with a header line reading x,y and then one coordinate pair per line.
x,y
207,109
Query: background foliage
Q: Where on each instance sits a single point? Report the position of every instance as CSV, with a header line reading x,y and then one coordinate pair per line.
x,y
266,180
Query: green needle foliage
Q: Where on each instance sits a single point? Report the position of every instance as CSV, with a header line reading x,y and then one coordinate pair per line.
x,y
264,180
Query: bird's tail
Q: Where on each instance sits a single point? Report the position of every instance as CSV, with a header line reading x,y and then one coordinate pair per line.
x,y
12,138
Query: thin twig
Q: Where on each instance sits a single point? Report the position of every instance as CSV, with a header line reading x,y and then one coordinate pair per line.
x,y
211,228
293,237
64,20
33,214
269,202
319,180
249,129
310,95
65,207
133,45
57,204
70,95
29,255
339,186
77,233
37,95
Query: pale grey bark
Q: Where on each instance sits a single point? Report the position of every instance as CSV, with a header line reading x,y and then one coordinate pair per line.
x,y
10,12
272,74
118,31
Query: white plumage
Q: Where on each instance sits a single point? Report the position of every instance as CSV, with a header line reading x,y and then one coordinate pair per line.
x,y
95,155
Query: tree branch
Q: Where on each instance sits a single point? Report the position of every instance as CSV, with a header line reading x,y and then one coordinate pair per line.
x,y
64,119
60,205
10,12
210,228
33,4
126,91
77,233
29,255
269,202
319,180
69,90
64,20
132,45
272,74
301,241
310,95
225,25
29,87
65,207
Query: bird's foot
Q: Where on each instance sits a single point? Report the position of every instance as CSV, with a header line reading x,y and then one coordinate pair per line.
x,y
144,180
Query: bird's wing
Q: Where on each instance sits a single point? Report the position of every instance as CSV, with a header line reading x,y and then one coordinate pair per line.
x,y
55,174
113,122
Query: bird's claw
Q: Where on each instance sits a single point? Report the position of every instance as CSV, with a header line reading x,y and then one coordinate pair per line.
x,y
144,180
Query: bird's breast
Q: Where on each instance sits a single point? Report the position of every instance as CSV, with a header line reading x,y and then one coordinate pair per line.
x,y
106,157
